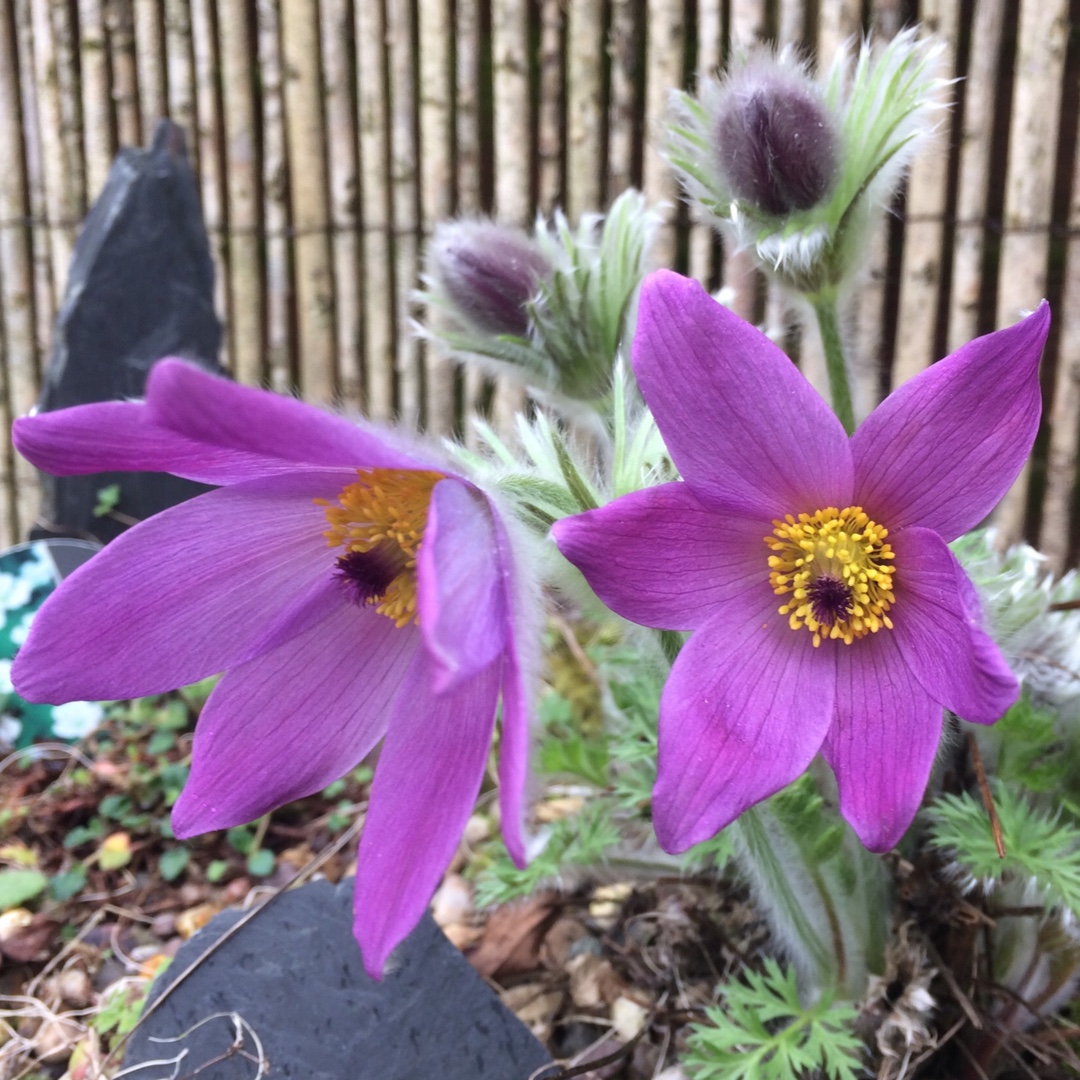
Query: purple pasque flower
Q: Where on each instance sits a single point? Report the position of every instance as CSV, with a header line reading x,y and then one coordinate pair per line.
x,y
350,591
827,612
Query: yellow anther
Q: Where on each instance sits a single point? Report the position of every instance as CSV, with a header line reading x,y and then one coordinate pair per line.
x,y
385,506
836,571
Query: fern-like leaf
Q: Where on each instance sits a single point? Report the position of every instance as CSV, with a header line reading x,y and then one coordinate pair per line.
x,y
763,1032
1042,849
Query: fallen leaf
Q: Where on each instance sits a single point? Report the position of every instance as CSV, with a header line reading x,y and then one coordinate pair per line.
x,y
627,1017
56,1038
19,854
194,919
593,981
452,902
557,809
115,851
535,1005
512,937
463,936
560,939
31,941
18,886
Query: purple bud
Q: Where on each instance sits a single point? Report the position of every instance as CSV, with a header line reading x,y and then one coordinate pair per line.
x,y
488,272
775,140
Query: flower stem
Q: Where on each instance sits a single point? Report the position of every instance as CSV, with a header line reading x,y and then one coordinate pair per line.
x,y
824,304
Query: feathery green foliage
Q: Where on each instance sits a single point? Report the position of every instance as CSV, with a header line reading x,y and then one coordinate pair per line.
x,y
763,1032
1042,849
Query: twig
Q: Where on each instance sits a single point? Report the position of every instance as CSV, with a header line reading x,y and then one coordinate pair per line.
x,y
35,982
959,996
38,750
988,798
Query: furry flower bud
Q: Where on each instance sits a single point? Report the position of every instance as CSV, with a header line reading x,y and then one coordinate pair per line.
x,y
488,273
776,143
796,169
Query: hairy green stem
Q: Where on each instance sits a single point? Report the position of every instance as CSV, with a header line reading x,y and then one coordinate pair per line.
x,y
825,309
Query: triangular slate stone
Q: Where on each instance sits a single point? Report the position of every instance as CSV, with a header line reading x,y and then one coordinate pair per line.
x,y
295,977
141,287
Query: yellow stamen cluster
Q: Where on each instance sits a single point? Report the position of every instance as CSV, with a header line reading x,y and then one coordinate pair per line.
x,y
837,570
385,506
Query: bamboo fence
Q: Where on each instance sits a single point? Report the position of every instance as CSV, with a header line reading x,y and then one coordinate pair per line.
x,y
330,136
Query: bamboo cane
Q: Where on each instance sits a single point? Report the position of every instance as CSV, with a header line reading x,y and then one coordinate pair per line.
x,y
45,296
584,35
209,138
338,81
790,24
247,311
98,144
665,58
513,145
437,181
377,249
401,51
748,24
747,28
180,74
838,30
511,122
550,180
280,345
839,24
976,144
60,207
624,36
467,113
1029,185
150,63
306,148
69,91
781,319
924,227
120,24
16,280
710,45
1057,509
469,196
869,308
9,520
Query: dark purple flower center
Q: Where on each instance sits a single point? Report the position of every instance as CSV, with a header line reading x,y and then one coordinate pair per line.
x,y
830,599
368,574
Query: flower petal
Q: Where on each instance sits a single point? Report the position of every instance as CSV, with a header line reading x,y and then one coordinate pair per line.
x,y
292,721
122,436
524,605
744,428
425,788
883,741
213,410
303,611
938,629
943,449
461,597
660,558
743,713
181,595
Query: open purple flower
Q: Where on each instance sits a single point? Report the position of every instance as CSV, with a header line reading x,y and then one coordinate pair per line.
x,y
827,612
348,590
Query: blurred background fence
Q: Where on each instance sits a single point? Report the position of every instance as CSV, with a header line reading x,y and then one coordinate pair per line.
x,y
328,136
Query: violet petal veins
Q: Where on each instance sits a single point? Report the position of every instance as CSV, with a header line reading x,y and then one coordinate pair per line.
x,y
827,612
350,590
